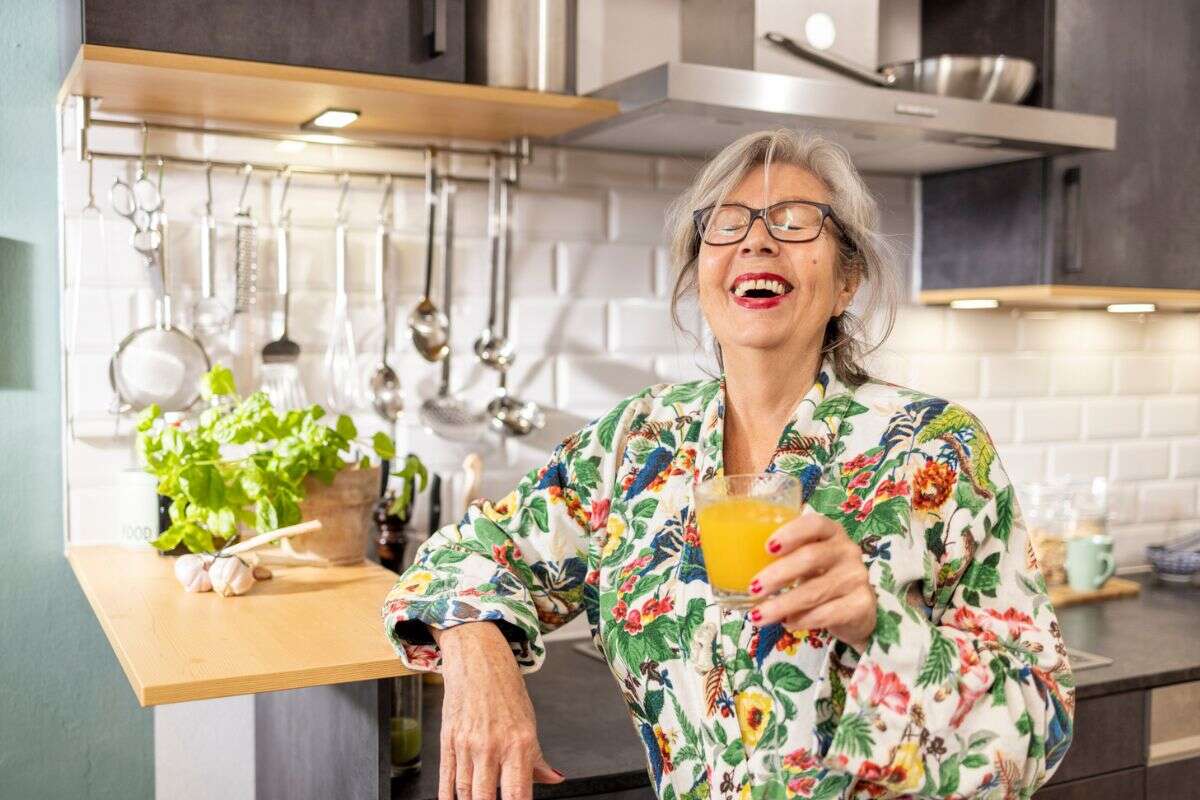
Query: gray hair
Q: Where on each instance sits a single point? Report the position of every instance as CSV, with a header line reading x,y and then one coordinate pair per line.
x,y
862,250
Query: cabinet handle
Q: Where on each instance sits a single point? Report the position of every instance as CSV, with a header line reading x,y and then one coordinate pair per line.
x,y
439,28
1071,232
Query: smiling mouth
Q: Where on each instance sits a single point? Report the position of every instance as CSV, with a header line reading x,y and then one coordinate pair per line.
x,y
760,286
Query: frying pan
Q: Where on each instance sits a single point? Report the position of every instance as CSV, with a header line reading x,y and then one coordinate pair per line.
x,y
993,79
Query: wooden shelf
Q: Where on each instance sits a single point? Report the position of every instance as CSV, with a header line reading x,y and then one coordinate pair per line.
x,y
146,84
306,626
1067,296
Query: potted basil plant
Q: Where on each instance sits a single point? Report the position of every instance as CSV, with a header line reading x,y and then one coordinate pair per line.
x,y
246,465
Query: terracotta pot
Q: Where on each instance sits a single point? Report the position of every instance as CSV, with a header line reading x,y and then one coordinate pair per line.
x,y
344,508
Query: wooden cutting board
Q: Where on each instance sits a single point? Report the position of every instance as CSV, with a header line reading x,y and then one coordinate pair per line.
x,y
1062,596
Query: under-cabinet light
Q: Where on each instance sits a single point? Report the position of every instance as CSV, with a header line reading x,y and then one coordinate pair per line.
x,y
331,118
1131,308
291,146
983,302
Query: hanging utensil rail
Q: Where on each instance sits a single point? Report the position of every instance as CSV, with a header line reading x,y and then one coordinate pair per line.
x,y
516,153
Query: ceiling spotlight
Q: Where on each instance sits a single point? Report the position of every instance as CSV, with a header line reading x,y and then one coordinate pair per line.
x,y
984,302
331,118
1131,308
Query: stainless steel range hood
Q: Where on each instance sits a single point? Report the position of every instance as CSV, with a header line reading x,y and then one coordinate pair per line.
x,y
695,109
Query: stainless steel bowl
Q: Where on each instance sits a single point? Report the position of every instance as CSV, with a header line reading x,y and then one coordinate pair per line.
x,y
995,79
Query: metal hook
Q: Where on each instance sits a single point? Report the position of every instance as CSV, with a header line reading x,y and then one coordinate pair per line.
x,y
430,176
208,168
161,165
247,170
385,205
344,179
91,203
145,147
285,215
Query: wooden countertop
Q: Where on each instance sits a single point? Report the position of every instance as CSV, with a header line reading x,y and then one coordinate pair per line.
x,y
307,626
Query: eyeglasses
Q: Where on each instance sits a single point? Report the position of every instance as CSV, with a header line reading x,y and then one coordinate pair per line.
x,y
789,221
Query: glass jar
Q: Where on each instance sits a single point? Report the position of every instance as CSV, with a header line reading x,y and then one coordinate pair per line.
x,y
1059,510
406,726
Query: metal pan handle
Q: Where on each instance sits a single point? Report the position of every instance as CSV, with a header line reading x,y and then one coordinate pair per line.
x,y
828,60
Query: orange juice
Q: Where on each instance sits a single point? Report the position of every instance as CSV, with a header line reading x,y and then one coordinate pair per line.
x,y
733,537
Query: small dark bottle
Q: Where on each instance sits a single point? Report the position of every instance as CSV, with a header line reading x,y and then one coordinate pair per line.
x,y
389,546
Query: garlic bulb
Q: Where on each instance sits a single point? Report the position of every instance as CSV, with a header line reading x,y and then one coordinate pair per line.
x,y
192,572
231,576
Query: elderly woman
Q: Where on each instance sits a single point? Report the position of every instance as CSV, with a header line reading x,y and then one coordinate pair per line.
x,y
902,644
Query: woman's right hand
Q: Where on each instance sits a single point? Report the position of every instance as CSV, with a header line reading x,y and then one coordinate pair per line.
x,y
489,735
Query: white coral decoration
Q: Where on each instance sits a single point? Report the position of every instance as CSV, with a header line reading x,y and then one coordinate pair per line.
x,y
703,638
231,576
192,572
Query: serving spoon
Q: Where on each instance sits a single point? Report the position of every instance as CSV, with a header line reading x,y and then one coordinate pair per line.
x,y
429,327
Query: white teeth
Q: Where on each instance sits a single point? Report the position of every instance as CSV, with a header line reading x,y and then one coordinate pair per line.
x,y
774,287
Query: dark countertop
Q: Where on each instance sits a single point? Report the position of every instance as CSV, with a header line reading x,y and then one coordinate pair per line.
x,y
583,726
585,730
1153,639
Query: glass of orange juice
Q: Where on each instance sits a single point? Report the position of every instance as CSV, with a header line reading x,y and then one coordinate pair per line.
x,y
736,515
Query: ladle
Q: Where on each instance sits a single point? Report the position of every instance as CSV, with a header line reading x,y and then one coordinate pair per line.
x,y
386,396
447,415
510,414
493,350
429,327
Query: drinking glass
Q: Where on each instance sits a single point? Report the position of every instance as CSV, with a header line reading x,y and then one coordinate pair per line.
x,y
736,516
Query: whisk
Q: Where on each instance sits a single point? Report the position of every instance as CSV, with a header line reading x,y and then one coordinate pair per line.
x,y
341,358
246,255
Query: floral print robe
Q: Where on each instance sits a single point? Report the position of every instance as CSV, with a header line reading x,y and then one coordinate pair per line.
x,y
963,690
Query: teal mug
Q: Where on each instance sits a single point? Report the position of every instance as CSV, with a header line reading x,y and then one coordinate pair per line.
x,y
1089,561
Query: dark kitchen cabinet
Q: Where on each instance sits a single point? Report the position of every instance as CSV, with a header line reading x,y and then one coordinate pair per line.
x,y
418,39
1124,218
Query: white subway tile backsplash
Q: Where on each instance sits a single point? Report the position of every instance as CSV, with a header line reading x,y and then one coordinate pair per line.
x,y
917,328
643,326
1136,461
950,376
576,215
979,331
676,172
1049,420
1048,330
596,168
1113,418
1079,374
1023,463
1173,332
1102,331
997,417
1143,374
1186,374
1172,415
638,216
1185,458
606,270
1130,541
1167,501
551,326
592,385
1079,461
1062,392
1015,376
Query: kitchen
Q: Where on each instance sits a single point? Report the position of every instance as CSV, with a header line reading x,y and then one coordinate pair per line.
x,y
561,155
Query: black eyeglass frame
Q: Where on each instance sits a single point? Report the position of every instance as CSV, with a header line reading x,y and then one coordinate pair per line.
x,y
755,213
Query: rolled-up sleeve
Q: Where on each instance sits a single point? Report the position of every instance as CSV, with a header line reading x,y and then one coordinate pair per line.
x,y
520,562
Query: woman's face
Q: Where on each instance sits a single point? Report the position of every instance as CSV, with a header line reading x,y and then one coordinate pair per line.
x,y
794,321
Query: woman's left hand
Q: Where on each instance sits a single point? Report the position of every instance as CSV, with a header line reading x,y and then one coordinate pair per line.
x,y
834,590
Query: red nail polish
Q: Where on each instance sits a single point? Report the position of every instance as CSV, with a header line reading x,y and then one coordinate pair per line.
x,y
755,615
774,546
755,586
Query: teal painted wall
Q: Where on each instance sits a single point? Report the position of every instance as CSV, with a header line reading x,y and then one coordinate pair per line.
x,y
69,724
